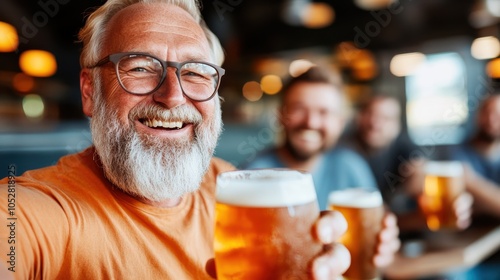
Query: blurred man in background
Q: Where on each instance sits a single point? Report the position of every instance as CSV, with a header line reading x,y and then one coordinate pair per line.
x,y
482,157
396,163
313,116
394,160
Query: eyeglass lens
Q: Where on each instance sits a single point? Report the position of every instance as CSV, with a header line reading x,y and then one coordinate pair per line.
x,y
140,74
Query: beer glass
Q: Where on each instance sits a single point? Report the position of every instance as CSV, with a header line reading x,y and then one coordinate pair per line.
x,y
443,183
264,220
364,211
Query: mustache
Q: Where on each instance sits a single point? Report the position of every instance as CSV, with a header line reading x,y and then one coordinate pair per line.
x,y
182,113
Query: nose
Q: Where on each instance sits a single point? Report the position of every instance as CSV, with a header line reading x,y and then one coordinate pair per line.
x,y
170,94
313,120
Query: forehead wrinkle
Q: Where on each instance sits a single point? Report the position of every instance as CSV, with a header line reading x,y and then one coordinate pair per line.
x,y
197,46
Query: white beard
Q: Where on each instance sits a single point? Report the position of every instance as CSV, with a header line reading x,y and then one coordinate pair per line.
x,y
145,166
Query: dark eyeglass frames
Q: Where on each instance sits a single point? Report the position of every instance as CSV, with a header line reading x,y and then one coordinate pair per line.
x,y
142,73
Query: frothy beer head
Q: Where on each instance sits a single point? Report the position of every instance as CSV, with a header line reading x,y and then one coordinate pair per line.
x,y
356,198
444,168
265,188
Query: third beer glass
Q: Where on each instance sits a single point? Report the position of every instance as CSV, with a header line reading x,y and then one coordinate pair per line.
x,y
264,220
443,184
364,211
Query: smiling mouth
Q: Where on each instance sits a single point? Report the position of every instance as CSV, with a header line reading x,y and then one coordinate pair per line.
x,y
310,135
161,124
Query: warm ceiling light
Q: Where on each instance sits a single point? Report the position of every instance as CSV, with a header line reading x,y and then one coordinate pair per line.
x,y
23,83
405,64
299,66
485,48
373,4
8,37
38,63
252,91
493,68
271,84
346,53
266,66
364,66
317,15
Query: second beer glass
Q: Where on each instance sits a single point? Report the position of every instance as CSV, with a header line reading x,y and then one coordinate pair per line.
x,y
364,211
264,220
443,183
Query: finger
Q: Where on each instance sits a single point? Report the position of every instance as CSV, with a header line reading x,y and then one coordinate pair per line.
x,y
390,230
389,242
464,219
332,263
390,220
330,226
463,203
463,210
386,252
210,268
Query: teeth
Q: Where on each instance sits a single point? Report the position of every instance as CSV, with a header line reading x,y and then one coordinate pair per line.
x,y
310,135
164,124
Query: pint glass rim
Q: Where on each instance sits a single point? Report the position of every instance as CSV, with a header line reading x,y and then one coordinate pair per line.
x,y
262,186
376,199
445,168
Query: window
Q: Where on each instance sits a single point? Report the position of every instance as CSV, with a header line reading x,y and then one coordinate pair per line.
x,y
436,107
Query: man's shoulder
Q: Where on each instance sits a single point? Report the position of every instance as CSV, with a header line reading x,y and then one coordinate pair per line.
x,y
219,165
70,171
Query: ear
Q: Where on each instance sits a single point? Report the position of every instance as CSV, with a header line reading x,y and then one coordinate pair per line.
x,y
87,91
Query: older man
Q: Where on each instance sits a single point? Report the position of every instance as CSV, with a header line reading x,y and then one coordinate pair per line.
x,y
140,203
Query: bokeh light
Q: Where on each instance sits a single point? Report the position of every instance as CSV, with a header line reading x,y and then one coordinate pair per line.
x,y
252,91
299,66
405,64
373,4
23,83
38,63
271,84
318,15
493,68
8,37
485,48
33,106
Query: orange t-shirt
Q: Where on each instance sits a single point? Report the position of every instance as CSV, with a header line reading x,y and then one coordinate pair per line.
x,y
69,222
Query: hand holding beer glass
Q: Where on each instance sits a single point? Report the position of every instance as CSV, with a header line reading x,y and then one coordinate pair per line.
x,y
264,221
444,183
364,212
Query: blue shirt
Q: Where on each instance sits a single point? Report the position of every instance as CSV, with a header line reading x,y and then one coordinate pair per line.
x,y
489,169
338,169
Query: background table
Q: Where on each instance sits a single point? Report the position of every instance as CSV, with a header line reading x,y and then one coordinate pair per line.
x,y
443,252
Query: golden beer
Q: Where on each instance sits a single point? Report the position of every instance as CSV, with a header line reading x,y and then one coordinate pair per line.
x,y
443,184
364,211
264,221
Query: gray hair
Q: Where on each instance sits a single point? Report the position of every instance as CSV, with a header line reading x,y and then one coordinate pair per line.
x,y
92,34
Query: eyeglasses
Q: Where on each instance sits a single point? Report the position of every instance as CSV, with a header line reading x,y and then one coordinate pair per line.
x,y
142,73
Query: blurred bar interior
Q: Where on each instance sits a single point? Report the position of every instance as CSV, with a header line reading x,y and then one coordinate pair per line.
x,y
439,57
